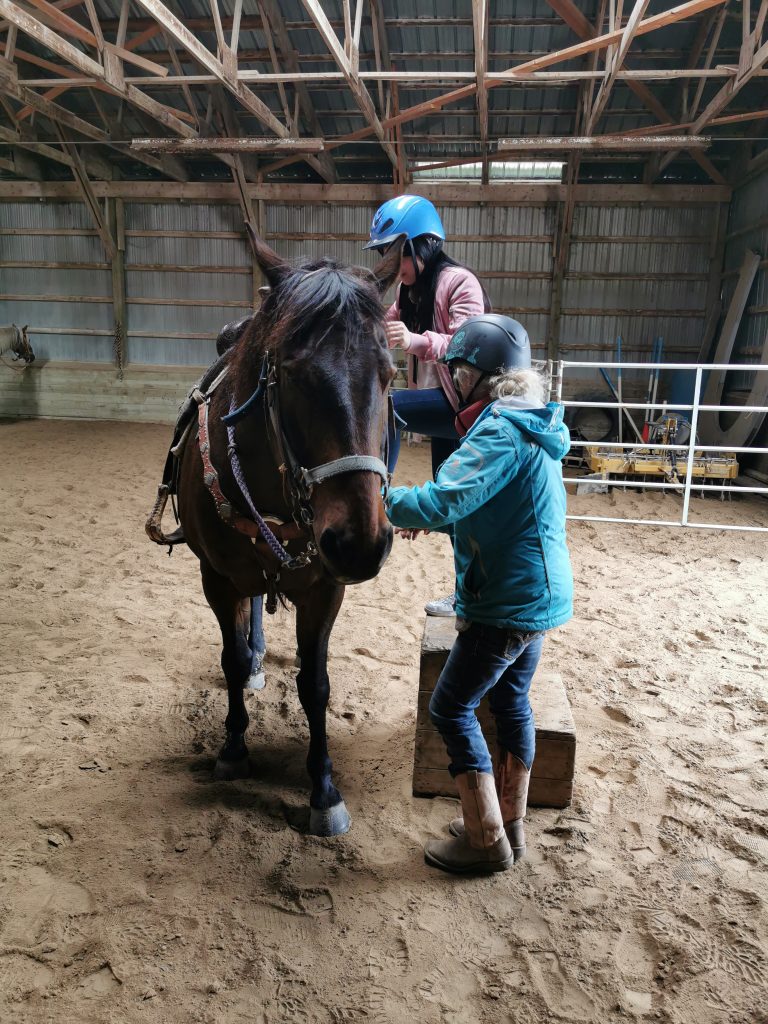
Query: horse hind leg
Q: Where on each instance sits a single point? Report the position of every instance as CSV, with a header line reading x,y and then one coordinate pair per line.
x,y
328,814
258,646
233,614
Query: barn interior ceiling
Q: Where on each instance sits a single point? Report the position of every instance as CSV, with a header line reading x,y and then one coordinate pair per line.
x,y
387,85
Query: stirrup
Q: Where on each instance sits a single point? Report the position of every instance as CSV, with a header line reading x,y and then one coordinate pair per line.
x,y
153,524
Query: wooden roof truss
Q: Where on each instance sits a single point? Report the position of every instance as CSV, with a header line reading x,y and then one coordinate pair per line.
x,y
71,49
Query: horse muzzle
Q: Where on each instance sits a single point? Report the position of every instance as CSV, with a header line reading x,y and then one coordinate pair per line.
x,y
352,558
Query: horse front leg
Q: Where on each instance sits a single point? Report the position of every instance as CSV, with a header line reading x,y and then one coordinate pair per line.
x,y
233,613
315,617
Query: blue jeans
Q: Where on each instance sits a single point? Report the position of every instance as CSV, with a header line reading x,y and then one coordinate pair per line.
x,y
500,663
425,412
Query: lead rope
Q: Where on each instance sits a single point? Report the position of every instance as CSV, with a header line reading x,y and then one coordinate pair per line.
x,y
275,546
286,561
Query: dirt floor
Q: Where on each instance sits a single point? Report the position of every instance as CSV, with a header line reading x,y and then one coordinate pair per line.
x,y
132,887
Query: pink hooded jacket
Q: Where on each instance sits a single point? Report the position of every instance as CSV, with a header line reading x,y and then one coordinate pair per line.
x,y
458,296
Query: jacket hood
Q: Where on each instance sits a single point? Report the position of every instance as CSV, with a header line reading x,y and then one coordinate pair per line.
x,y
542,424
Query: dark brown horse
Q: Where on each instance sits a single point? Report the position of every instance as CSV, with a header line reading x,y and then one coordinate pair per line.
x,y
304,398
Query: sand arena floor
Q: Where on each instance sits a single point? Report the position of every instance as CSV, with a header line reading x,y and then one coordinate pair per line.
x,y
133,888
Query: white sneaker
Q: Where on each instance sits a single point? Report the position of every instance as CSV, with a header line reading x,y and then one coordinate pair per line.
x,y
442,606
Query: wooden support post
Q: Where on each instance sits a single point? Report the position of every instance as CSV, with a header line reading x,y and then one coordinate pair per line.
x,y
116,219
400,170
260,227
556,299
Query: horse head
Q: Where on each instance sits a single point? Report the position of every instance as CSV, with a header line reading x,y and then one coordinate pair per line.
x,y
321,324
22,347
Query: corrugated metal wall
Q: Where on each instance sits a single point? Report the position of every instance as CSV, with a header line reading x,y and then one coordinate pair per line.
x,y
69,310
174,315
638,271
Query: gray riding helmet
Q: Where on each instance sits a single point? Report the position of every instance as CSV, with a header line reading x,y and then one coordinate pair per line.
x,y
490,342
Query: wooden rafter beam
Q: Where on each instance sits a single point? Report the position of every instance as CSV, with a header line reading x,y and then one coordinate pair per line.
x,y
228,145
616,64
356,86
498,194
12,138
674,14
276,68
108,76
322,163
54,113
602,143
715,23
731,89
59,115
406,79
86,190
380,51
242,165
36,30
178,30
655,129
480,28
64,23
571,14
574,18
185,89
357,26
679,13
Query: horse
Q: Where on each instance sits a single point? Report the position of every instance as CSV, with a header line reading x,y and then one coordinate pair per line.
x,y
304,384
16,341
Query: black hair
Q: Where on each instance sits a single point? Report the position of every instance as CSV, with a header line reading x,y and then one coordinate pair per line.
x,y
417,303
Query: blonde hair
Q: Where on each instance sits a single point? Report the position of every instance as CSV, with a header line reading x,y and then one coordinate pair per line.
x,y
531,384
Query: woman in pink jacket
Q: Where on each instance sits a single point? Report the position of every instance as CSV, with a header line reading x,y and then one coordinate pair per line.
x,y
435,296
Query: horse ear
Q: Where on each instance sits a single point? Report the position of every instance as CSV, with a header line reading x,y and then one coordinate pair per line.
x,y
272,266
388,270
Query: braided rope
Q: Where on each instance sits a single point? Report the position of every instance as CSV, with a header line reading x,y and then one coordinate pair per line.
x,y
275,546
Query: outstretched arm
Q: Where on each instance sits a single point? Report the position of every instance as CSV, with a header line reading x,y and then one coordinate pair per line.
x,y
484,464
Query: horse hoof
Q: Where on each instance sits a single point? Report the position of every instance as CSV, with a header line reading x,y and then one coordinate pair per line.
x,y
226,771
334,821
256,681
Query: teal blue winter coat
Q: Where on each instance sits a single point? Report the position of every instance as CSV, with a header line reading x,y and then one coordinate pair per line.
x,y
503,493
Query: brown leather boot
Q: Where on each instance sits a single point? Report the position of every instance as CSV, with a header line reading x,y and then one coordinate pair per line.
x,y
484,846
512,779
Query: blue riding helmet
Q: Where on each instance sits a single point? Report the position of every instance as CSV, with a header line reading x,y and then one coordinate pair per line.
x,y
411,216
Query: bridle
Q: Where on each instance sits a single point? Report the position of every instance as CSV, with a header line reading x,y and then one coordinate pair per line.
x,y
301,482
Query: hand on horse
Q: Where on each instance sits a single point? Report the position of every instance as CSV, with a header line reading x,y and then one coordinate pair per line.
x,y
409,534
398,335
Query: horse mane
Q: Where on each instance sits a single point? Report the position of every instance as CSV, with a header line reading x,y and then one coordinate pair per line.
x,y
316,291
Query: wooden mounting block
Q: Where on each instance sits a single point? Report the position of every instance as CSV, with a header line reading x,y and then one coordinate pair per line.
x,y
553,767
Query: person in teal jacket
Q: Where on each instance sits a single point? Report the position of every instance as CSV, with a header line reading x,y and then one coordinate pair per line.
x,y
503,495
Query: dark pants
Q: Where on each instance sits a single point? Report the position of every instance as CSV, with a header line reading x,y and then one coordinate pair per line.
x,y
425,412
